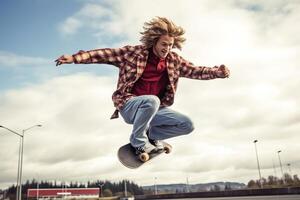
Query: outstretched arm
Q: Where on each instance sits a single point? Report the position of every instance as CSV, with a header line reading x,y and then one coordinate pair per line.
x,y
189,70
113,56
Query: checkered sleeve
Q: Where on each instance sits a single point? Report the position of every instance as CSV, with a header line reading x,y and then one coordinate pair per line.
x,y
113,56
189,70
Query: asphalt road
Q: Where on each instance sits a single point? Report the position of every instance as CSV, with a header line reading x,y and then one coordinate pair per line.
x,y
278,197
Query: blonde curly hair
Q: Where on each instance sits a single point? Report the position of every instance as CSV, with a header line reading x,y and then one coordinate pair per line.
x,y
161,26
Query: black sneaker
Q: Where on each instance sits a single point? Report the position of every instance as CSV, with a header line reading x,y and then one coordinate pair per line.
x,y
148,148
157,143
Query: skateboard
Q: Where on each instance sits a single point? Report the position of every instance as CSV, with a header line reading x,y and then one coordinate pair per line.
x,y
130,159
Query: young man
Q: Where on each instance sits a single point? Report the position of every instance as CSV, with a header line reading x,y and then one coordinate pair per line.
x,y
148,77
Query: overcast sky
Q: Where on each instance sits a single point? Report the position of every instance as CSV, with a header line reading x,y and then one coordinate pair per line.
x,y
258,40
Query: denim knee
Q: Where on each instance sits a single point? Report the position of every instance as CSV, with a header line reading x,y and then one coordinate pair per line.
x,y
152,101
187,126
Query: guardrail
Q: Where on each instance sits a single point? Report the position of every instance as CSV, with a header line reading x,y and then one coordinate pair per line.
x,y
228,193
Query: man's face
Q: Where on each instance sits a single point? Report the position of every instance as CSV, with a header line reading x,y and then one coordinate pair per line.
x,y
163,46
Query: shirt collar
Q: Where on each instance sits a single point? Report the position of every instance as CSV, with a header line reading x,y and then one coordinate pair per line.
x,y
153,56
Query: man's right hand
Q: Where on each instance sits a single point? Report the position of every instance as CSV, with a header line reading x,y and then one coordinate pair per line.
x,y
64,59
223,72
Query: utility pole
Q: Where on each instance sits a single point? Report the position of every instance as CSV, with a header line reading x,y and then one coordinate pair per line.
x,y
258,166
125,188
187,184
155,186
20,160
280,163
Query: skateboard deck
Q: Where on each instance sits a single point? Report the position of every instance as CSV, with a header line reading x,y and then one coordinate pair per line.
x,y
130,159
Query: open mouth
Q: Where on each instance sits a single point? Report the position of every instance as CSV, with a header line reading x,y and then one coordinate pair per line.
x,y
164,52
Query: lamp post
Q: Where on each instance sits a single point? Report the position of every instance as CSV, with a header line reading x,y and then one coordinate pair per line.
x,y
18,174
37,186
125,188
280,163
37,192
258,166
20,160
155,186
187,184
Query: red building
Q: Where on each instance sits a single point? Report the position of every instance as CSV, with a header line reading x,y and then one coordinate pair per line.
x,y
61,192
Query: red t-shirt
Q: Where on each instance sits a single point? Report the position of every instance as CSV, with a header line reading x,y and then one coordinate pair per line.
x,y
154,78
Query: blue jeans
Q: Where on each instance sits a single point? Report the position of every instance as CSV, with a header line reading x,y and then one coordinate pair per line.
x,y
145,113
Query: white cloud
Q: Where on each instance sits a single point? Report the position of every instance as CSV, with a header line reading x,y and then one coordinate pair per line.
x,y
91,16
8,59
94,11
70,26
259,101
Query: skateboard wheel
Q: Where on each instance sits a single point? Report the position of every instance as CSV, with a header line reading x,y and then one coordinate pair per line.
x,y
167,149
144,157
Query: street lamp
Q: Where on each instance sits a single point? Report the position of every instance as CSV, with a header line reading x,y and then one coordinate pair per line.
x,y
18,174
20,160
187,184
155,186
258,167
125,188
37,187
280,164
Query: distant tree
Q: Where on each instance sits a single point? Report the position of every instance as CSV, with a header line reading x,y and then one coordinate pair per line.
x,y
252,184
296,180
74,184
89,184
55,184
288,179
258,183
263,181
280,182
272,181
81,185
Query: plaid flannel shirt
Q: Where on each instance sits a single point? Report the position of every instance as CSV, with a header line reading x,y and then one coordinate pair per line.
x,y
132,60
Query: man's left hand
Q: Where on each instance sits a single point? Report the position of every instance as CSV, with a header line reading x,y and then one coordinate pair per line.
x,y
223,72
